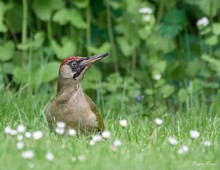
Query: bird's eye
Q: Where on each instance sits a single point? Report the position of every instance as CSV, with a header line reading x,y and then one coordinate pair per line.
x,y
74,63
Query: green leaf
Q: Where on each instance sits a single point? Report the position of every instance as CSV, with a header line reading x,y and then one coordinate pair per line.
x,y
3,9
170,31
76,19
81,3
8,68
174,17
15,17
104,48
144,32
209,8
66,49
212,40
126,46
44,8
159,67
73,16
216,28
7,51
92,78
182,95
48,72
167,91
20,75
61,16
38,40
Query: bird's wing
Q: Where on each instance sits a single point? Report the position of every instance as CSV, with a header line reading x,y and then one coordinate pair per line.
x,y
93,107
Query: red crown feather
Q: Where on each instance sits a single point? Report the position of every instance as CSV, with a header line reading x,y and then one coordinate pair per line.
x,y
68,59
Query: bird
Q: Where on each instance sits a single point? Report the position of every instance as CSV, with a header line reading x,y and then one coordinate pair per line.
x,y
71,105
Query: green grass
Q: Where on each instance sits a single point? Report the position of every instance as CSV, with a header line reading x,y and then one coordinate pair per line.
x,y
144,144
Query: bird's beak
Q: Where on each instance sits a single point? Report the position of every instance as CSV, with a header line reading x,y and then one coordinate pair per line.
x,y
92,59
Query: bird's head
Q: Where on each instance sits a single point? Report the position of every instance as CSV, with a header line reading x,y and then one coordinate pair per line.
x,y
72,69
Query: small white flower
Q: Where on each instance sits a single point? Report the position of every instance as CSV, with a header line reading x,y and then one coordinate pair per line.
x,y
20,145
145,10
60,131
204,21
172,141
97,138
28,134
91,142
81,158
49,156
158,121
13,132
28,154
61,125
7,130
207,143
73,159
194,134
146,18
157,77
21,128
19,137
106,134
71,132
123,123
37,135
117,143
183,149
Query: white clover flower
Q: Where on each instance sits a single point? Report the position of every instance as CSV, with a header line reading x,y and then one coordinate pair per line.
x,y
97,138
37,135
71,132
7,130
13,132
49,156
91,142
204,21
117,143
60,131
194,134
81,158
20,145
207,143
28,134
28,154
21,128
106,134
183,149
172,141
123,123
19,137
158,121
61,125
145,10
157,77
146,18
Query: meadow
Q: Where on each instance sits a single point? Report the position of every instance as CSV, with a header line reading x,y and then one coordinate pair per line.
x,y
158,90
186,140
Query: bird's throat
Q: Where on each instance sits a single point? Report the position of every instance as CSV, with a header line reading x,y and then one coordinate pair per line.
x,y
66,91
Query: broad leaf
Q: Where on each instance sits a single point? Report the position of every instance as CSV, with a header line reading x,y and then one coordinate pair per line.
x,y
7,51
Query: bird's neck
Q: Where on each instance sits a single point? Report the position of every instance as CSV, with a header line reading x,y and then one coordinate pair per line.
x,y
66,91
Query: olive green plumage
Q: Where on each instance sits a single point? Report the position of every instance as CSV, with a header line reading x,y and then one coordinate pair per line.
x,y
71,105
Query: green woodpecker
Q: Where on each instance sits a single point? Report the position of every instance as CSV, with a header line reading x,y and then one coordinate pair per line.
x,y
71,105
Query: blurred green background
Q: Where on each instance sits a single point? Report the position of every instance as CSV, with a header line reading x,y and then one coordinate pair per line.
x,y
161,51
